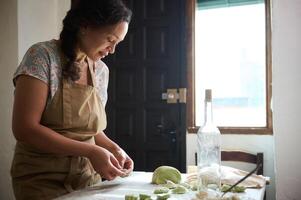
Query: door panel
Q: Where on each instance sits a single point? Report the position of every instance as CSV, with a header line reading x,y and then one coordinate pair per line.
x,y
148,62
156,42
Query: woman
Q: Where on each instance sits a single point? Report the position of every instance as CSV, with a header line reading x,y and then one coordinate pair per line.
x,y
59,115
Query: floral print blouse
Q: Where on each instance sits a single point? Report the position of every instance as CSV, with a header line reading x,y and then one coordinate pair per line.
x,y
43,61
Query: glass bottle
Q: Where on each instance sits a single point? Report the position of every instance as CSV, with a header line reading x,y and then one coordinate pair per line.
x,y
209,151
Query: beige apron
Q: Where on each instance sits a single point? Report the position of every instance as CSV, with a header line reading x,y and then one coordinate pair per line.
x,y
75,112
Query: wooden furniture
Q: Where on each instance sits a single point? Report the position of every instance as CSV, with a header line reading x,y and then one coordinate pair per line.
x,y
241,156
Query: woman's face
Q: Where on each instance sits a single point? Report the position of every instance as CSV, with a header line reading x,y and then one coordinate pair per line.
x,y
97,43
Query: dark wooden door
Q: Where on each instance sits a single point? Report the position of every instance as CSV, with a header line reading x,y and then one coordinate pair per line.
x,y
145,65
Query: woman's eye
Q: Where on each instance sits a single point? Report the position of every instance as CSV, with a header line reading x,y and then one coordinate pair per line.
x,y
110,40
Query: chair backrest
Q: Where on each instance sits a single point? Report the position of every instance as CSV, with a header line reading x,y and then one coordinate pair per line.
x,y
241,156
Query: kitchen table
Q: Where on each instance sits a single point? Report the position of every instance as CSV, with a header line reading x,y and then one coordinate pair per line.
x,y
139,183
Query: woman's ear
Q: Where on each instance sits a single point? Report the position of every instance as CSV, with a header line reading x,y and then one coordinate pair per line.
x,y
83,30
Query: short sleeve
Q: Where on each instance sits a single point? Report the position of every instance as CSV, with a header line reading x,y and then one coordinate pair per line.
x,y
102,81
35,63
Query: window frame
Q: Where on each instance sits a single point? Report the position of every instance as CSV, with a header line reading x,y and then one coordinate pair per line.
x,y
190,105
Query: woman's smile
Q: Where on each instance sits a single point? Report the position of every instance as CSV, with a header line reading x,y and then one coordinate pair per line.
x,y
102,54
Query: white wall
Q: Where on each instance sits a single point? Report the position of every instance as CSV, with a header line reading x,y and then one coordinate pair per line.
x,y
287,97
22,23
62,7
39,21
8,63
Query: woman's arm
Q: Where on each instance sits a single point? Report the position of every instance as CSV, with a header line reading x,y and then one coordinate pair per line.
x,y
103,141
29,104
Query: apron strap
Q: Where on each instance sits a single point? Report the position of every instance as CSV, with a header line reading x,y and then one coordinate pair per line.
x,y
67,106
91,65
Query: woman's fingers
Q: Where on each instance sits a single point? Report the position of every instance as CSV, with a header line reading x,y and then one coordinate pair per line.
x,y
108,176
121,162
129,164
115,168
110,165
116,172
115,162
111,173
121,157
105,163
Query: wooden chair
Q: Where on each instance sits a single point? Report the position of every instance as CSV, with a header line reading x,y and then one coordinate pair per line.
x,y
241,156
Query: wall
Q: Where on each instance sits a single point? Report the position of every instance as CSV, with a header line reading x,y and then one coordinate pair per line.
x,y
287,97
8,63
22,24
42,24
62,7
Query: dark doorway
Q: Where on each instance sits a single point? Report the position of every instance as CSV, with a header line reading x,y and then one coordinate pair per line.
x,y
150,61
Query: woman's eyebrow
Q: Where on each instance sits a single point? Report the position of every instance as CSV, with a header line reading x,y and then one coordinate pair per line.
x,y
116,37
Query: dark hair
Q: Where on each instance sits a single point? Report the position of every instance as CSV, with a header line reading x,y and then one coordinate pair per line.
x,y
94,13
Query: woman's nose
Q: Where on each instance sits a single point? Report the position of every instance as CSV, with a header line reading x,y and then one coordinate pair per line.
x,y
112,49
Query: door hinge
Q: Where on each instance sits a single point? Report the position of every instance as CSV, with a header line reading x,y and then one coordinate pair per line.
x,y
174,95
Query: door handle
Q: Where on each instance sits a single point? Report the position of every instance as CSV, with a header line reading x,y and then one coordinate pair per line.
x,y
160,128
173,136
172,95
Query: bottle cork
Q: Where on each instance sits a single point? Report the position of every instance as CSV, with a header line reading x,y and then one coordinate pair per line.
x,y
208,95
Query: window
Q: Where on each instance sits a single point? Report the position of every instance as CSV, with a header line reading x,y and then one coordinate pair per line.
x,y
231,43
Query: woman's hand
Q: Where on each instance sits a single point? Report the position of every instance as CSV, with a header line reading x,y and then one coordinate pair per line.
x,y
124,160
105,163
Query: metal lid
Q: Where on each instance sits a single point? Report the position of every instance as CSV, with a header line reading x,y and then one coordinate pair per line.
x,y
208,95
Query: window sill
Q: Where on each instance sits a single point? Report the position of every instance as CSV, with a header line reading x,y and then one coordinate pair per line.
x,y
240,130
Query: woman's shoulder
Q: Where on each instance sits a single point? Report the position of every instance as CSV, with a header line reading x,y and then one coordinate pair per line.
x,y
102,80
45,47
39,61
101,67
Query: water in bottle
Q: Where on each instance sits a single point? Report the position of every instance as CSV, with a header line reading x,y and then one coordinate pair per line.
x,y
209,151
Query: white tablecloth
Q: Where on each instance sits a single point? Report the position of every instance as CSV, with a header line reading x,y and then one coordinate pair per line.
x,y
138,183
